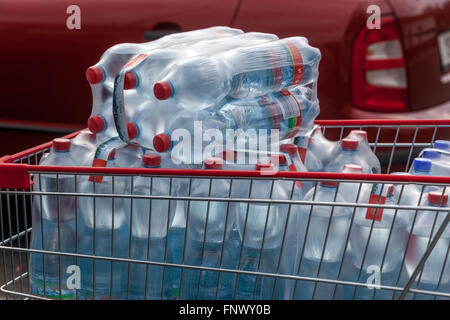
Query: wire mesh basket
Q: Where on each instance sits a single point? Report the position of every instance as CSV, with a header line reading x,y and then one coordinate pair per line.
x,y
320,263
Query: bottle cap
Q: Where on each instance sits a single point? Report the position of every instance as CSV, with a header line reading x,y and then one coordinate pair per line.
x,y
278,158
431,154
349,144
112,154
422,165
60,144
289,148
263,166
96,124
213,163
352,168
328,183
436,198
132,130
94,75
360,134
163,90
151,160
129,81
442,145
161,142
229,155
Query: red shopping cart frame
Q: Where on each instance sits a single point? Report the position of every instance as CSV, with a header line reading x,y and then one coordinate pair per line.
x,y
17,175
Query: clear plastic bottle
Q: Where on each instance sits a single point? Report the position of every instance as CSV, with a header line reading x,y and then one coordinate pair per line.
x,y
143,76
438,168
289,111
102,76
324,241
437,155
365,150
207,243
349,154
377,238
197,83
186,125
424,230
53,227
321,148
147,216
261,227
103,223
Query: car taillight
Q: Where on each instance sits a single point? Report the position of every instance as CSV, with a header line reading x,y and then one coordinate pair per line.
x,y
378,73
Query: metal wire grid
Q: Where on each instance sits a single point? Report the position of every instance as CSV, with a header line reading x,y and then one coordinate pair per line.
x,y
15,243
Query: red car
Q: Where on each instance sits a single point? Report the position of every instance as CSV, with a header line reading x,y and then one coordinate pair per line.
x,y
401,70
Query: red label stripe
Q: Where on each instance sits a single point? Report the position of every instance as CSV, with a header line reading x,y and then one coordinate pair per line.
x,y
297,61
134,61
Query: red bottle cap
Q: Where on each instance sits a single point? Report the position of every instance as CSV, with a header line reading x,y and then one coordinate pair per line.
x,y
151,160
263,166
129,81
162,90
352,168
96,124
161,142
132,130
436,198
60,144
94,75
360,133
349,144
289,148
213,163
278,158
328,183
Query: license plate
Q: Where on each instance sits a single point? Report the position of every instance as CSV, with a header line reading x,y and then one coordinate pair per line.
x,y
444,49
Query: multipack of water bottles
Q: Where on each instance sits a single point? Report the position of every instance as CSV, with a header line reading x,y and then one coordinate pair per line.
x,y
214,99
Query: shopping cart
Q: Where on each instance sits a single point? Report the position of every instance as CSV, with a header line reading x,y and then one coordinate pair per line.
x,y
396,142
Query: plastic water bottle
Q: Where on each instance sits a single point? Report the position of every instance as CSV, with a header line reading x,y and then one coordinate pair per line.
x,y
438,168
143,76
289,111
442,145
424,167
53,227
197,83
296,165
102,76
349,154
207,243
103,226
85,143
103,123
365,150
261,227
185,124
377,243
436,155
424,230
354,191
311,161
321,148
148,216
324,241
54,207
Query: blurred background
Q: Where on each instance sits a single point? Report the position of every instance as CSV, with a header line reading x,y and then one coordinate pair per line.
x,y
399,71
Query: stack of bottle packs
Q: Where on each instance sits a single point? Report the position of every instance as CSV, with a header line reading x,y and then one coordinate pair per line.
x,y
221,99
